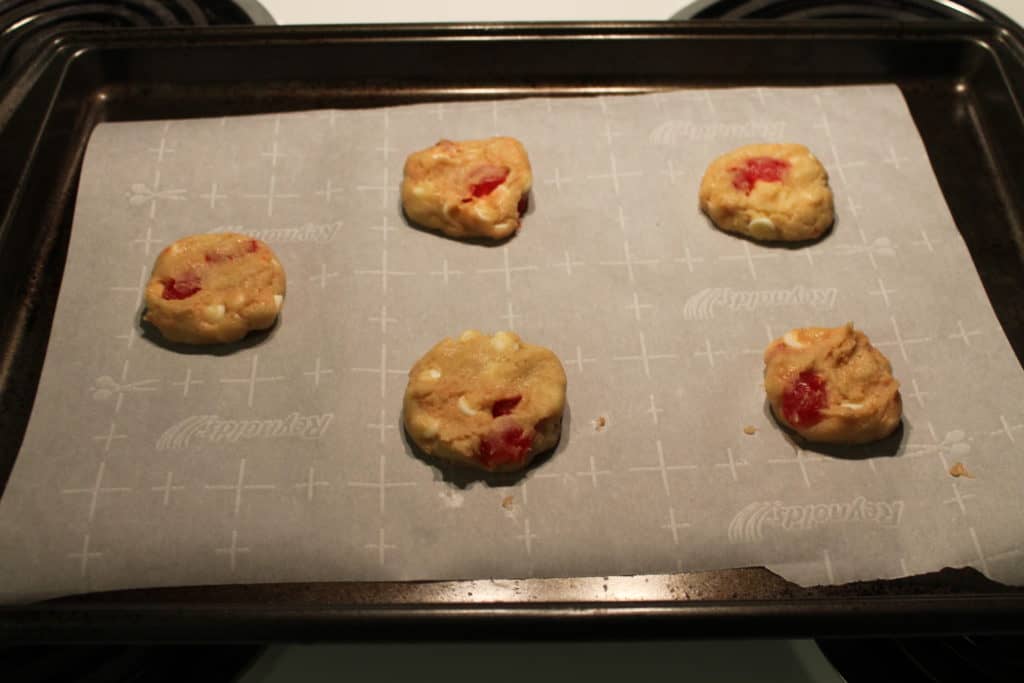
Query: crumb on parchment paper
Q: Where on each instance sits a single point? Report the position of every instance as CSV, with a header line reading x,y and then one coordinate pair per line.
x,y
508,502
959,470
750,430
600,423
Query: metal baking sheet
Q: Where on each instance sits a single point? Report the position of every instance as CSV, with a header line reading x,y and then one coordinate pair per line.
x,y
120,101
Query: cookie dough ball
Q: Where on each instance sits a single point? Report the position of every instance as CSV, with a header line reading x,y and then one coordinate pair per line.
x,y
213,289
831,385
488,402
474,188
774,192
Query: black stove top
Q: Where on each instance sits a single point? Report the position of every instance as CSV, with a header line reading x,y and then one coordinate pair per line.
x,y
27,24
900,10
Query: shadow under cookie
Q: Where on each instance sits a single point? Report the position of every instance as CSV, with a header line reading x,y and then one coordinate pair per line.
x,y
462,476
791,245
889,447
149,332
475,241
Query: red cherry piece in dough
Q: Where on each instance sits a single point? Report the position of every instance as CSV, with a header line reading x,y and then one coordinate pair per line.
x,y
764,169
506,445
505,406
803,400
484,187
180,289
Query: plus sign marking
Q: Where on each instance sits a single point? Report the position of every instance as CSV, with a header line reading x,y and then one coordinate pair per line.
x,y
253,379
186,384
629,261
382,370
709,353
662,468
506,269
963,335
614,174
645,357
446,273
384,272
381,426
568,263
749,257
383,319
162,149
527,537
148,240
96,490
240,487
232,551
323,276
329,191
593,473
317,372
637,307
84,555
578,361
798,460
674,526
382,485
557,180
213,196
380,546
311,483
732,464
109,437
959,498
901,342
271,195
167,488
137,289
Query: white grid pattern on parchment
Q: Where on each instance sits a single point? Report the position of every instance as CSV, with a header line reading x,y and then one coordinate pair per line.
x,y
285,460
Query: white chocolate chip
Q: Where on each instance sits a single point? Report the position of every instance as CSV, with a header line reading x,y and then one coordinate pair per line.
x,y
852,406
503,341
469,335
485,211
790,340
465,407
430,375
214,313
428,426
505,227
762,227
278,300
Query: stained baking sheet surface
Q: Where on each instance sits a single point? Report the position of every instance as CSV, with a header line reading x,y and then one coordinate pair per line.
x,y
284,459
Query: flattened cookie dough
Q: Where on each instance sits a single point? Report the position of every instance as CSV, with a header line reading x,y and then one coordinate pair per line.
x,y
770,192
487,402
214,289
831,385
474,188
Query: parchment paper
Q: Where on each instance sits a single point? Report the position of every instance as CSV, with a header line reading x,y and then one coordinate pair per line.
x,y
283,459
